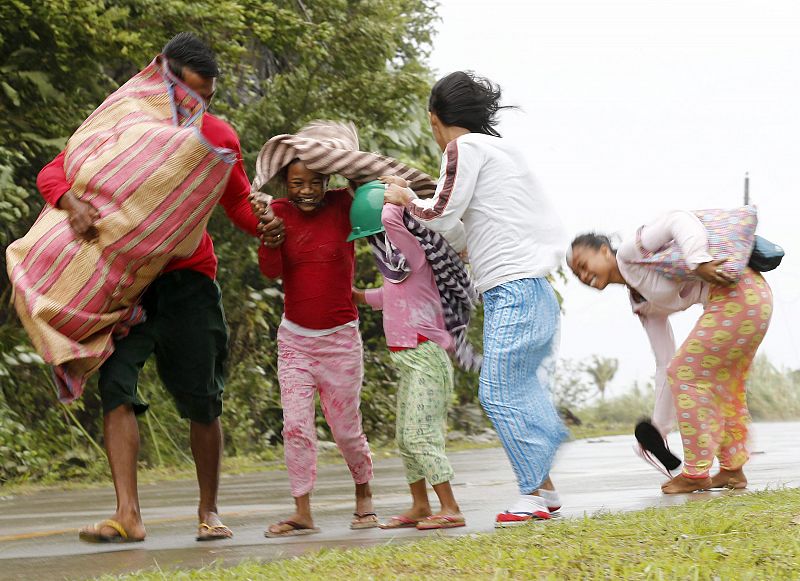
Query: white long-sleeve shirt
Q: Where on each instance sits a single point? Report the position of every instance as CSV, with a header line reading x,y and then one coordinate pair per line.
x,y
488,201
663,296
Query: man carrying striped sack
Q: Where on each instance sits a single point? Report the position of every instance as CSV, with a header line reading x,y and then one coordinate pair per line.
x,y
120,266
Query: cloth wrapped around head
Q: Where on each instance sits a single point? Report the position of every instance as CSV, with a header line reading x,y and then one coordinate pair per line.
x,y
330,147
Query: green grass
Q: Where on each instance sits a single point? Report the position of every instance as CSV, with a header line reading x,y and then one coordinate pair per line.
x,y
273,460
232,466
738,536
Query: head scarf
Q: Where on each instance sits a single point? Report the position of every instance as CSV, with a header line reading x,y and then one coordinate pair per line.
x,y
330,147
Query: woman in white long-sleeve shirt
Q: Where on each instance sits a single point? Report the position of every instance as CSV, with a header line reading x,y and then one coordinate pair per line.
x,y
702,384
488,202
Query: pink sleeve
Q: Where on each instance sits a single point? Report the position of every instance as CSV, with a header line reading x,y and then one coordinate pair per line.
x,y
374,298
52,181
392,219
686,230
662,342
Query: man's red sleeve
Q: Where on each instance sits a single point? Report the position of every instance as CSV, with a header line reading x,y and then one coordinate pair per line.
x,y
235,198
52,181
236,201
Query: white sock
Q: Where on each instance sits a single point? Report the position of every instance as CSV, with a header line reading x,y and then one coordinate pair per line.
x,y
550,497
530,503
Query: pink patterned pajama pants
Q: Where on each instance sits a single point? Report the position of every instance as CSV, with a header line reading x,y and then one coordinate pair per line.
x,y
332,366
708,373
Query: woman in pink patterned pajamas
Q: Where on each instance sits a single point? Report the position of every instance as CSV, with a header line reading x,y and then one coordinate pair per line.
x,y
702,385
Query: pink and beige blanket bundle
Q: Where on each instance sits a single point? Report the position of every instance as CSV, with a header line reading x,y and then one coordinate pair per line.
x,y
141,161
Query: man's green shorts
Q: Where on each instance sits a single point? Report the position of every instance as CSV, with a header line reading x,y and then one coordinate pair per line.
x,y
186,330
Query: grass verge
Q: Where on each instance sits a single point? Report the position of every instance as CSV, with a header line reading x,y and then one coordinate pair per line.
x,y
598,430
271,459
738,536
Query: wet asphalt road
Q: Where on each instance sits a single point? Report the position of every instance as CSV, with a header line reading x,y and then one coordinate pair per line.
x,y
38,532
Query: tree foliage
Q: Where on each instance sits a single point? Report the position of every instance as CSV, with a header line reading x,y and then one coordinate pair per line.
x,y
772,395
602,371
571,384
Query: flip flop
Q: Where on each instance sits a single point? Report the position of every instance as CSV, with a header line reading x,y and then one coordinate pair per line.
x,y
399,522
296,530
358,524
441,521
207,532
93,535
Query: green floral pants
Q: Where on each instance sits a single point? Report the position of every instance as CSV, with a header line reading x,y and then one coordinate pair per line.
x,y
424,394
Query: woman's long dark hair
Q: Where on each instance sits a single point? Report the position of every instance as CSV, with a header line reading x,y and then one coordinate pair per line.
x,y
462,99
593,240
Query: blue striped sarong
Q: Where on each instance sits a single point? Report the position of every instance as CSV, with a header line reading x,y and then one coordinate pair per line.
x,y
520,345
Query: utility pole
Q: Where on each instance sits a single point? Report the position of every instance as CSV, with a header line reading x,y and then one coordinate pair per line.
x,y
746,188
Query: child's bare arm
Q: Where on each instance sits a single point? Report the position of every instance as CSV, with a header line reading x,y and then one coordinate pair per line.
x,y
358,297
370,297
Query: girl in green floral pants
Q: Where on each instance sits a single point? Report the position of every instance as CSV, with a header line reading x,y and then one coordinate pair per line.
x,y
424,392
414,326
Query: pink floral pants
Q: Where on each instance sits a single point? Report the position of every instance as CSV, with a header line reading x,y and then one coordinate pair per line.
x,y
332,366
708,373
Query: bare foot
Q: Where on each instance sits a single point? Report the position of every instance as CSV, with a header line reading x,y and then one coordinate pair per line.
x,y
365,512
285,526
364,505
211,527
681,485
733,479
417,512
130,523
449,509
451,514
210,517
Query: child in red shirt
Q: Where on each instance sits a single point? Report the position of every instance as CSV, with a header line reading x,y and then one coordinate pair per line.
x,y
319,346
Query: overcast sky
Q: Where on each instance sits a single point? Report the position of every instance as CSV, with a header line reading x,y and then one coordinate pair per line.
x,y
634,107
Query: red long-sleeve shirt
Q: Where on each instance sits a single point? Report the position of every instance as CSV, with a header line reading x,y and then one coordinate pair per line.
x,y
315,261
52,183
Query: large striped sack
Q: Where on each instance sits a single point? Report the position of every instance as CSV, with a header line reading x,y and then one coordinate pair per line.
x,y
731,235
141,161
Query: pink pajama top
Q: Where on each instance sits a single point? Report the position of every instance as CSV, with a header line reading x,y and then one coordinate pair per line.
x,y
661,296
412,307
